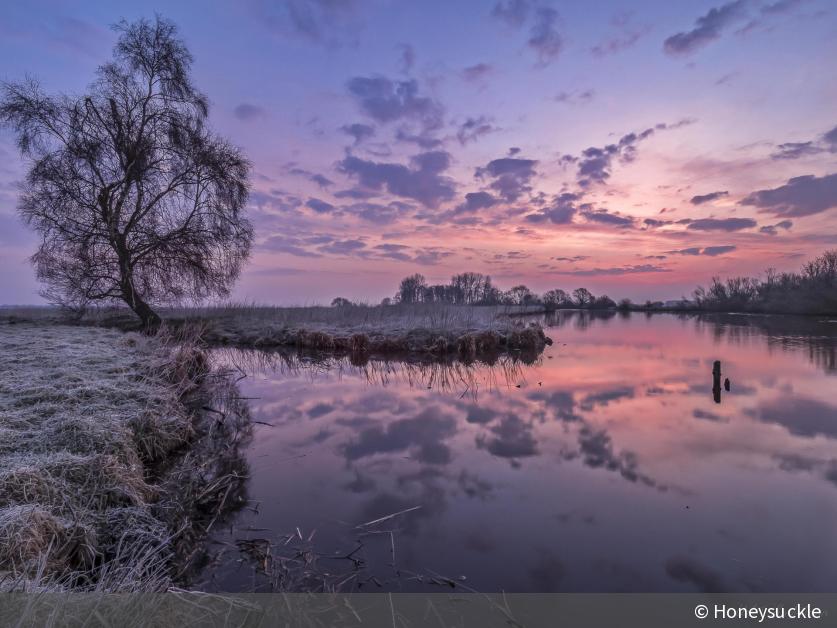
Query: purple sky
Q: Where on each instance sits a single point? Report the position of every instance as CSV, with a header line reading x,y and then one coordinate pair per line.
x,y
635,148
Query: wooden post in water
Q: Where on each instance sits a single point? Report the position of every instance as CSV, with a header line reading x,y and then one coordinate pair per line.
x,y
716,381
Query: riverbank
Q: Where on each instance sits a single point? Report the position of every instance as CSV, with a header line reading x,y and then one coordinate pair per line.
x,y
98,489
466,333
427,331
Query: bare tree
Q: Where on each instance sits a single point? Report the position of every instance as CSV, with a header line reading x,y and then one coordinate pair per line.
x,y
582,297
411,289
470,288
554,299
134,198
521,295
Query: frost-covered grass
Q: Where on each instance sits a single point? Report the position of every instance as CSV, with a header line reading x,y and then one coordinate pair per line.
x,y
83,413
361,318
432,330
406,329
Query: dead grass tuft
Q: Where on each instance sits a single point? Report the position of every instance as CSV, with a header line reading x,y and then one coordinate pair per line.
x,y
359,344
317,340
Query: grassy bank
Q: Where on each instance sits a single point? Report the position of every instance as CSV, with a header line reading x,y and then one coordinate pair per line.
x,y
96,492
435,330
422,330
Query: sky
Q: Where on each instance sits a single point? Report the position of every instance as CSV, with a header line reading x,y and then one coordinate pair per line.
x,y
633,148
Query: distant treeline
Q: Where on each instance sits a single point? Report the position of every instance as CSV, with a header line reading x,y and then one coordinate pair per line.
x,y
477,289
811,291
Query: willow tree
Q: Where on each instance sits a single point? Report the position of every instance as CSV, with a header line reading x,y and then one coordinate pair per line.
x,y
135,199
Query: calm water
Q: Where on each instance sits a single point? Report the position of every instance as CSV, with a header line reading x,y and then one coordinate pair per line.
x,y
605,466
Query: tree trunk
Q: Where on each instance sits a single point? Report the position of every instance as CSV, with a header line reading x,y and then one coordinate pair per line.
x,y
150,319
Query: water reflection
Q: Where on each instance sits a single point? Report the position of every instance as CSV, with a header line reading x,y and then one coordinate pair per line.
x,y
605,466
813,335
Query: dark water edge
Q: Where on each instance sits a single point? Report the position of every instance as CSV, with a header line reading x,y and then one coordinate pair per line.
x,y
606,465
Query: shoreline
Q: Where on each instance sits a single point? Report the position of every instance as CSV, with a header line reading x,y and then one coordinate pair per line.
x,y
416,331
468,344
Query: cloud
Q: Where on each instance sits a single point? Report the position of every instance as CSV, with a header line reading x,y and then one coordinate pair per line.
x,y
707,416
560,212
359,132
800,416
707,198
321,207
481,415
356,193
596,448
319,409
721,224
830,138
247,112
781,6
707,29
424,139
512,438
430,257
626,37
473,129
378,213
595,164
774,229
477,72
423,436
394,251
511,176
475,201
325,22
287,244
544,38
422,181
575,97
615,271
771,10
795,150
711,251
604,217
343,247
512,12
795,462
604,398
800,196
321,180
404,253
386,101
